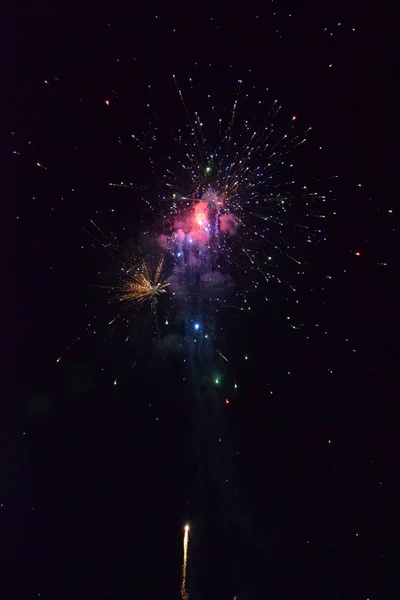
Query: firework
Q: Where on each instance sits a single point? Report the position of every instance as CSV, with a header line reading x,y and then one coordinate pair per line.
x,y
144,276
184,593
144,283
226,214
227,200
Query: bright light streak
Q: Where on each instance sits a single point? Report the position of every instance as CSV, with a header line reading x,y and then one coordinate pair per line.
x,y
222,356
184,592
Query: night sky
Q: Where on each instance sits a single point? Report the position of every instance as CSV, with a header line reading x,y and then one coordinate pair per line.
x,y
281,453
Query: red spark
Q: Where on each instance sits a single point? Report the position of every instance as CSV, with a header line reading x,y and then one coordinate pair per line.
x,y
357,253
107,102
294,118
226,401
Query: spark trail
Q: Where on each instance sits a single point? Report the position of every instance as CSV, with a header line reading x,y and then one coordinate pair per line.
x,y
184,592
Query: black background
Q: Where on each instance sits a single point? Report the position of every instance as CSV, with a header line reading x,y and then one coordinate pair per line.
x,y
95,490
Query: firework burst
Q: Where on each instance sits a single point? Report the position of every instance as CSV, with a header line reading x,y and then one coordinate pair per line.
x,y
231,192
144,283
144,275
230,205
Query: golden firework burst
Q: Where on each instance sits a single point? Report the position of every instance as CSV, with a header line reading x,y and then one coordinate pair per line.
x,y
145,282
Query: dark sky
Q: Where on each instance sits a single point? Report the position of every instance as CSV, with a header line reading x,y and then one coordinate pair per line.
x,y
97,480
